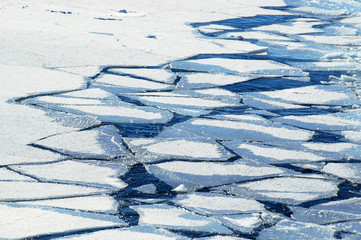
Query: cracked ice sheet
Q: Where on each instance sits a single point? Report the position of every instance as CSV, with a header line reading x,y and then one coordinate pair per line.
x,y
160,75
216,204
34,221
238,66
169,217
271,154
298,230
289,190
195,175
204,80
245,130
102,142
93,174
318,95
17,81
124,84
22,125
21,191
98,203
8,175
327,66
128,233
174,148
348,120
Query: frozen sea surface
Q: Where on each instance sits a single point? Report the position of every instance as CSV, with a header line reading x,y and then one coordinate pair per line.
x,y
207,119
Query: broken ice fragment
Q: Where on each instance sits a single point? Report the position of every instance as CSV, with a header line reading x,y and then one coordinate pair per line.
x,y
215,204
34,221
83,173
291,190
349,171
202,174
166,216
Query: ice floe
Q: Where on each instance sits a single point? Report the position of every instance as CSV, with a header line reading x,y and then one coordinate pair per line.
x,y
291,190
96,203
160,75
16,191
188,149
166,216
237,66
243,130
102,142
349,120
34,221
215,204
94,174
123,84
203,80
271,154
204,174
349,171
298,230
129,233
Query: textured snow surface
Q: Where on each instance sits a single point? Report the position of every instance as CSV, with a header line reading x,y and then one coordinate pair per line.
x,y
207,119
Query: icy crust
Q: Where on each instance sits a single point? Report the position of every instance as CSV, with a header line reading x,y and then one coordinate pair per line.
x,y
36,221
129,233
169,217
289,190
194,175
173,148
102,142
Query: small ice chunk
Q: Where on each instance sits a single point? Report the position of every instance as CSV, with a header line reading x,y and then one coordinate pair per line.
x,y
297,230
103,175
97,203
148,189
166,216
215,204
192,149
349,171
237,66
271,154
180,189
290,190
203,174
34,221
14,191
245,223
103,142
161,75
128,233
